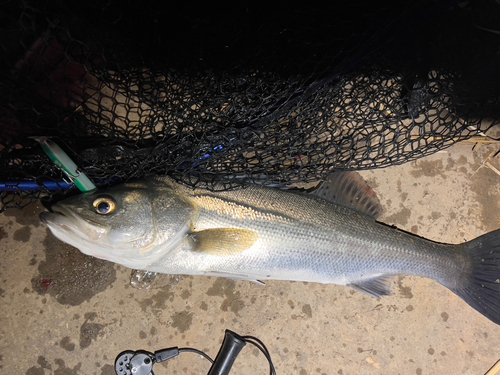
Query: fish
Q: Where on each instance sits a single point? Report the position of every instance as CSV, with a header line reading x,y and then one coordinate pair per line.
x,y
258,233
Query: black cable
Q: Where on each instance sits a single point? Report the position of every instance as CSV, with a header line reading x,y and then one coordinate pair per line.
x,y
272,370
249,339
260,345
192,350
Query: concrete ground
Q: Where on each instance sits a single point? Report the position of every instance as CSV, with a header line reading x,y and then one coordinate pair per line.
x,y
64,313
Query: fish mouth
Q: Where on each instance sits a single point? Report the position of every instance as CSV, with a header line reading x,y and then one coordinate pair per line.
x,y
59,217
69,228
64,220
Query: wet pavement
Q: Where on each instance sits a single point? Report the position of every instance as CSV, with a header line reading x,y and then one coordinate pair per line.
x,y
65,313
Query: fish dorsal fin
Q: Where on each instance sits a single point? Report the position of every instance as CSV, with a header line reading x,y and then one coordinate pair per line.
x,y
223,241
374,287
350,190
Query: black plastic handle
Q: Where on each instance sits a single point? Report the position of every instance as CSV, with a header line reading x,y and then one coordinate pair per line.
x,y
231,347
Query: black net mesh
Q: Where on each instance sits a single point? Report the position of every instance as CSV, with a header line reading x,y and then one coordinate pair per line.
x,y
234,92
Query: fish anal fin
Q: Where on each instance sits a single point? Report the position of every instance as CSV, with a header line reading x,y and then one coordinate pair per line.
x,y
350,190
374,287
223,241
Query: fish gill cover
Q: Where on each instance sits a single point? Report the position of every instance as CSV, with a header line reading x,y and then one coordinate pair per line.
x,y
235,91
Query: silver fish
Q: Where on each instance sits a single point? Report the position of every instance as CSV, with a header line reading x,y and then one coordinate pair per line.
x,y
258,233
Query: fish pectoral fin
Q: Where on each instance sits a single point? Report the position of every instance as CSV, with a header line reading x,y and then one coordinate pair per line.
x,y
223,241
375,287
233,276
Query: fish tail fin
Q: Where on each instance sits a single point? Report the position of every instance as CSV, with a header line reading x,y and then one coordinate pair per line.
x,y
481,287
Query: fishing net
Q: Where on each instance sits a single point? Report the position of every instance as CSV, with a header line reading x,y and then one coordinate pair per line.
x,y
231,93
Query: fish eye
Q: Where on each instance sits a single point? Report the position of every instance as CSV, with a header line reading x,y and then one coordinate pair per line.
x,y
104,205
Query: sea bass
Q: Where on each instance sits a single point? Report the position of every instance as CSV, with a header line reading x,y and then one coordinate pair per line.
x,y
260,233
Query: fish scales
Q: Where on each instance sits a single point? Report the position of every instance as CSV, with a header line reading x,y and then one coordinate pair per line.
x,y
259,233
310,239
